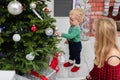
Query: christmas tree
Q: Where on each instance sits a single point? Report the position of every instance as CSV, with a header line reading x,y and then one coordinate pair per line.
x,y
26,35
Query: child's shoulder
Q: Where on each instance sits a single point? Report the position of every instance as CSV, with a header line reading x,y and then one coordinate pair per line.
x,y
113,58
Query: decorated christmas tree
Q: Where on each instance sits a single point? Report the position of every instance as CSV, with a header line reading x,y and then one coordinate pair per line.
x,y
26,35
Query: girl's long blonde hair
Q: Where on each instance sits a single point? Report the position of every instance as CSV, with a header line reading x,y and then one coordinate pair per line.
x,y
105,33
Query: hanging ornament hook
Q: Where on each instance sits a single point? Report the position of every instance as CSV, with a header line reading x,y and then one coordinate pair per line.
x,y
37,14
32,7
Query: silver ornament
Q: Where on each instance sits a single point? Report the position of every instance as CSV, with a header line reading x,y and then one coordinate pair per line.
x,y
15,7
30,56
32,5
49,31
16,37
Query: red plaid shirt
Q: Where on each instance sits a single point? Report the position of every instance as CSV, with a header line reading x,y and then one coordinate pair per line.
x,y
107,72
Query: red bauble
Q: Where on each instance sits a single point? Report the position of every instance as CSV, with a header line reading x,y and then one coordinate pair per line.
x,y
44,78
33,28
46,9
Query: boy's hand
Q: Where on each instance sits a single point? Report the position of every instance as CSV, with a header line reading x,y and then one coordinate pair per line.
x,y
59,34
66,42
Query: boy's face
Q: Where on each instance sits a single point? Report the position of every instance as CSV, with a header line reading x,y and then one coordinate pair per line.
x,y
73,20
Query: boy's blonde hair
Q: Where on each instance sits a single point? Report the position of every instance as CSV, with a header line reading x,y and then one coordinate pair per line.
x,y
105,33
78,13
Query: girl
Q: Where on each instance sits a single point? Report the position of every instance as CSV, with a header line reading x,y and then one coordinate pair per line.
x,y
107,53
